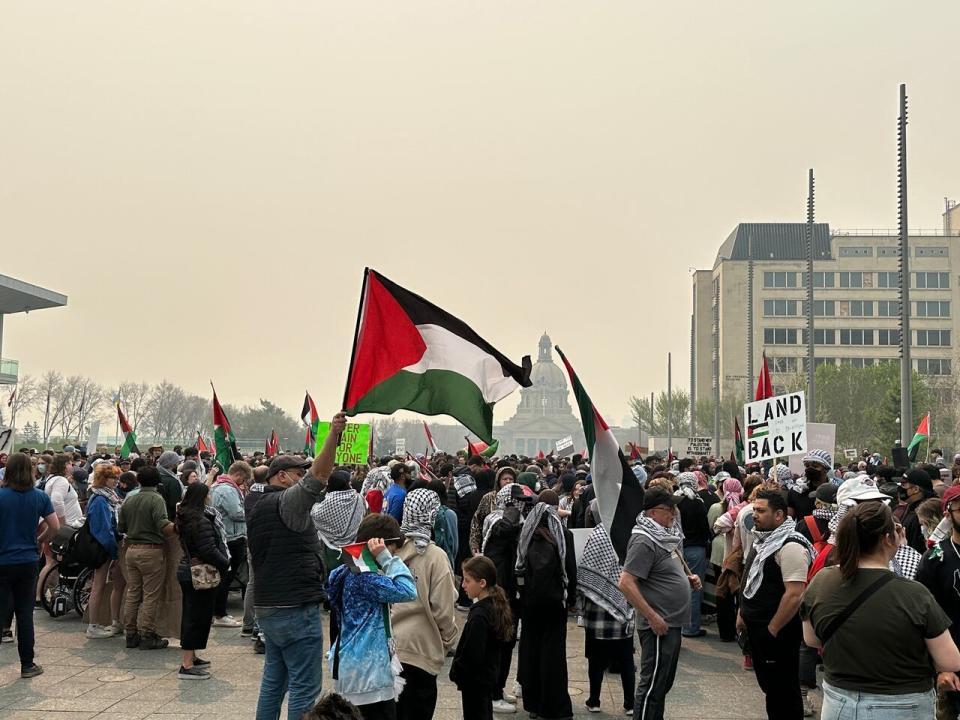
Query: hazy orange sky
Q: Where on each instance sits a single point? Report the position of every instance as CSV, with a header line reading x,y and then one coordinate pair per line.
x,y
207,180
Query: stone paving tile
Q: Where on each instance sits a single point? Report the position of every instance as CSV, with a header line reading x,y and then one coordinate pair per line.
x,y
102,680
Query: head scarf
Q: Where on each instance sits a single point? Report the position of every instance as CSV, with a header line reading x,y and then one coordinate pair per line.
x,y
701,479
528,479
376,479
419,514
337,517
374,500
554,527
464,484
688,486
501,501
598,576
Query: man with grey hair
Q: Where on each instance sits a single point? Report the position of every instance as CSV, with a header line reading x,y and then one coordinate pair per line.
x,y
170,488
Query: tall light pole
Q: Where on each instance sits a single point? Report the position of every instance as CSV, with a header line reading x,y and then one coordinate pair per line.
x,y
811,390
906,367
669,407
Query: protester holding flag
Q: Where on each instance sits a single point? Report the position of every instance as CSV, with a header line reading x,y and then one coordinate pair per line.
x,y
286,560
227,496
364,663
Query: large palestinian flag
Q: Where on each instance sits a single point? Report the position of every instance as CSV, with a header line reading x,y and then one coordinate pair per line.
x,y
223,438
408,354
129,436
310,418
922,433
619,493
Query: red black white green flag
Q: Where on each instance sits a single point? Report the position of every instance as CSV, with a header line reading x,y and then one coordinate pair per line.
x,y
408,354
619,493
223,438
129,436
310,418
922,433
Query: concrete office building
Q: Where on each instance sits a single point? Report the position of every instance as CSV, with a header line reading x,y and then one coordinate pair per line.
x,y
753,300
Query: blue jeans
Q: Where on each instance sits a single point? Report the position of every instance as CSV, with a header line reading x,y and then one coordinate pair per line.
x,y
294,640
696,557
840,704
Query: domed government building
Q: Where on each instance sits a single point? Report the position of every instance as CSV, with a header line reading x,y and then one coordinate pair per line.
x,y
544,415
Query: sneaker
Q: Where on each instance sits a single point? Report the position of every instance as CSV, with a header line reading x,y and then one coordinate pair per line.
x,y
747,662
116,627
98,632
592,708
226,621
628,712
31,671
259,647
246,632
698,634
193,673
151,641
462,608
133,640
503,707
200,663
6,636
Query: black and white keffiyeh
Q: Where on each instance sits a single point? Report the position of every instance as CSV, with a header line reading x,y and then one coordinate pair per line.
x,y
464,484
501,501
337,517
906,562
376,479
687,486
765,544
669,539
554,526
419,514
598,575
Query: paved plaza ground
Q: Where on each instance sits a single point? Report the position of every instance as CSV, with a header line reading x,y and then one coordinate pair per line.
x,y
101,680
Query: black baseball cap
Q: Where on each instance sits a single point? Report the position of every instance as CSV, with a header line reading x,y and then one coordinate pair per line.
x,y
657,497
286,462
826,493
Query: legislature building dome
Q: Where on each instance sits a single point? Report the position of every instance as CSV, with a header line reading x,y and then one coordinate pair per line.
x,y
545,372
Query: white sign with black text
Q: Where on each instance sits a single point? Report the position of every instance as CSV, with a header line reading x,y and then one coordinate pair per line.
x,y
775,427
565,446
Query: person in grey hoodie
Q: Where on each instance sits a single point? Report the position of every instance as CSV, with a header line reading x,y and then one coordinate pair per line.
x,y
170,488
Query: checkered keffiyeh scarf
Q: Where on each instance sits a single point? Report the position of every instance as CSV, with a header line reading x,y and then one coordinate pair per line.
x,y
464,484
337,517
905,561
767,543
598,575
376,479
501,501
688,484
669,539
554,527
419,513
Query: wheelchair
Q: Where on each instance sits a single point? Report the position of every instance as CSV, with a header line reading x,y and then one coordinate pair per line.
x,y
66,586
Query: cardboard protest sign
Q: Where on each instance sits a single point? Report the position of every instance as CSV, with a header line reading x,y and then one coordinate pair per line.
x,y
775,427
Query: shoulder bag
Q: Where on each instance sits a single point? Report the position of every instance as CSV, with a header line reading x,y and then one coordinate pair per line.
x,y
850,609
203,576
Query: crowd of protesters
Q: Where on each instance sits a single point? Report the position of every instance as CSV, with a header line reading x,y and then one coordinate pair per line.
x,y
798,569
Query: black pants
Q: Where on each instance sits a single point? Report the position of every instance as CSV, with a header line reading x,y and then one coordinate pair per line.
x,y
18,588
658,668
238,552
776,662
419,697
726,613
604,654
476,703
383,710
506,654
542,662
809,659
196,616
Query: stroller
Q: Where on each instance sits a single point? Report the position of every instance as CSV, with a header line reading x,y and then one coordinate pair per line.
x,y
66,586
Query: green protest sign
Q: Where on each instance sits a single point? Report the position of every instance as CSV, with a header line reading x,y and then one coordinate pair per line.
x,y
354,443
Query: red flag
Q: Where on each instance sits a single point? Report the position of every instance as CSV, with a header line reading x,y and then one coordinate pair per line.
x,y
471,448
540,455
430,443
764,386
124,424
634,451
273,444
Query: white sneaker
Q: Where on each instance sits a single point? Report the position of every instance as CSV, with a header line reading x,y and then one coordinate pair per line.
x,y
116,627
97,632
503,707
226,621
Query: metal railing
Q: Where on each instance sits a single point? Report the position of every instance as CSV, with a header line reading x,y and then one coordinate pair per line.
x,y
890,232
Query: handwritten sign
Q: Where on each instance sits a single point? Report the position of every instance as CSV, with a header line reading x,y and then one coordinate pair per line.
x,y
354,443
775,427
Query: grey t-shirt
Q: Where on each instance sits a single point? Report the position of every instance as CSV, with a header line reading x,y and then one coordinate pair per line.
x,y
661,579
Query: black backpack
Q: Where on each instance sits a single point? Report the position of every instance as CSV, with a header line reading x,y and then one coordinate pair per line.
x,y
543,574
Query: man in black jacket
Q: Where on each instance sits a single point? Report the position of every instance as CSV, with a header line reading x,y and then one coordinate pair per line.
x,y
286,560
915,488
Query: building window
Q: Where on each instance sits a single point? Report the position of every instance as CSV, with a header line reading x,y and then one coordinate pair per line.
x,y
861,308
775,308
856,337
940,251
933,338
779,279
931,281
851,279
932,308
821,337
856,252
889,251
858,363
824,308
783,364
888,279
779,336
888,308
888,337
933,366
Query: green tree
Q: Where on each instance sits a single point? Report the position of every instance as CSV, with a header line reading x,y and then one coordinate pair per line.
x,y
680,417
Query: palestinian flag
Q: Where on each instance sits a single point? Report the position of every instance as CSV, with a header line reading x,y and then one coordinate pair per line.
x,y
764,386
619,494
129,436
430,443
223,438
311,419
272,446
737,441
482,449
408,354
359,558
922,433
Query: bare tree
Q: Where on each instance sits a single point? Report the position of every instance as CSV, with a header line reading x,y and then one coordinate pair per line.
x,y
23,397
51,395
134,397
162,410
